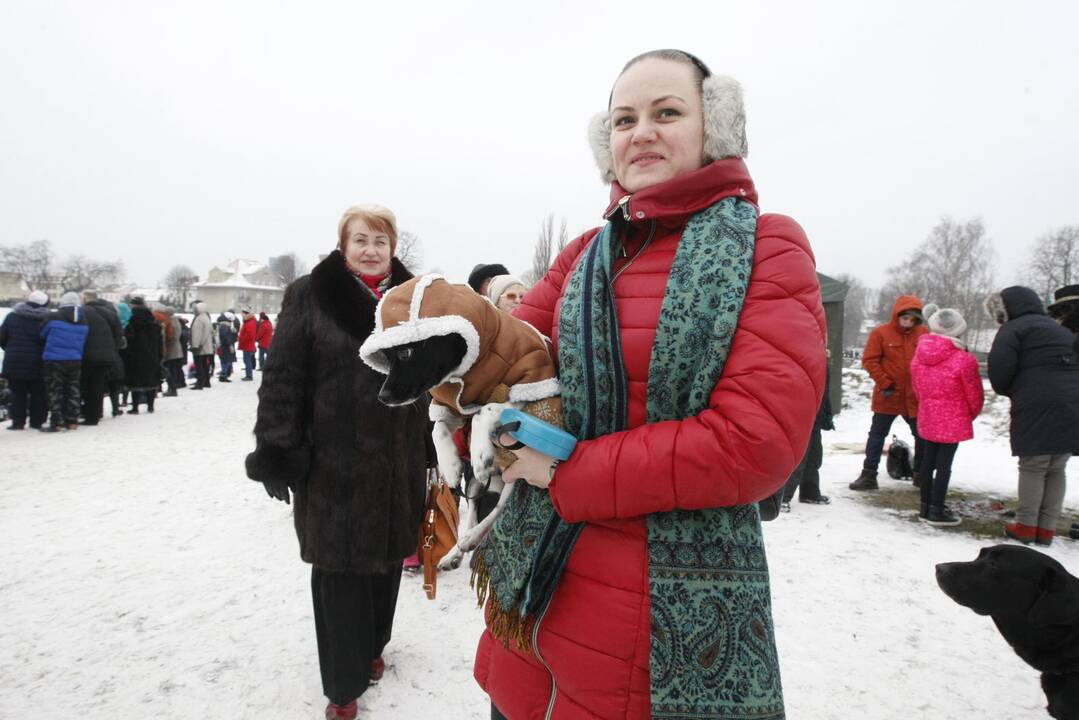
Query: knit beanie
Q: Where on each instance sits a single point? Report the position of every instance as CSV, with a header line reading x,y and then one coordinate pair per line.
x,y
499,284
929,310
37,298
947,321
69,298
482,272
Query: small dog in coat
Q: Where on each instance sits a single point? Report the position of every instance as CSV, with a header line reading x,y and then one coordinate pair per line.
x,y
1034,603
475,360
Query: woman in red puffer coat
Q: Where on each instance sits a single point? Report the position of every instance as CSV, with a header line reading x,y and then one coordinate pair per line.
x,y
950,395
671,147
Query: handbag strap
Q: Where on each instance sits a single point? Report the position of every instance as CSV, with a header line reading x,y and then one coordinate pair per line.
x,y
427,547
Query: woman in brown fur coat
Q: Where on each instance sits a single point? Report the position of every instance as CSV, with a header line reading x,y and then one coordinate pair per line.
x,y
355,467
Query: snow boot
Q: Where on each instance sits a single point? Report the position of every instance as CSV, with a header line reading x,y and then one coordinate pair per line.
x,y
940,516
866,481
341,712
1023,533
916,478
1044,537
923,511
378,669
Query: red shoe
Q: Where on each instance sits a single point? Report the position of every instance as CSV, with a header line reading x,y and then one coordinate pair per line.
x,y
341,712
1023,533
1044,537
378,669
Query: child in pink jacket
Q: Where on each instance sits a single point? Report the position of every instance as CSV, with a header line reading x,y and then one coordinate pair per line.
x,y
950,395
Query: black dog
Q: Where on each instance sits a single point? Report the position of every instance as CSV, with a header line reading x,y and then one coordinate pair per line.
x,y
417,367
1034,602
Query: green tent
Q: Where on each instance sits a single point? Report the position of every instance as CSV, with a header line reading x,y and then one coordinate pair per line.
x,y
834,293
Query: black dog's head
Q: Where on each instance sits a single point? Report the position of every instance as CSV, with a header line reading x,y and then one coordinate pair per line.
x,y
1011,580
417,367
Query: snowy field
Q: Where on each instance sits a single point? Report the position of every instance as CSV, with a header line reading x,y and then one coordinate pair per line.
x,y
145,576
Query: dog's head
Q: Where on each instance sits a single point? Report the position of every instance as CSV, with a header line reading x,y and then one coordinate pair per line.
x,y
1013,584
416,367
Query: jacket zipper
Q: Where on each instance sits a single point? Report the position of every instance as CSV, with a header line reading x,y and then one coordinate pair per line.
x,y
535,648
644,245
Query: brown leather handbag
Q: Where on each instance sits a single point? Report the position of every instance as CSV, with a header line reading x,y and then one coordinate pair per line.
x,y
438,531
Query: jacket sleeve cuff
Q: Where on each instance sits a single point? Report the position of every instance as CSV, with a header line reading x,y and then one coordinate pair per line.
x,y
273,464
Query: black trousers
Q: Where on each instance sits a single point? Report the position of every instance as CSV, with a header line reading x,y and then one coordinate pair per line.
x,y
203,368
936,471
353,622
878,432
495,715
62,381
95,377
28,397
807,475
174,373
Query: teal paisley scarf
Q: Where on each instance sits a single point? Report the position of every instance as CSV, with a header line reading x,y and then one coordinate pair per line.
x,y
713,650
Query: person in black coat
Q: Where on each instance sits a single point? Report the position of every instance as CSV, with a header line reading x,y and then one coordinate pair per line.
x,y
142,358
101,354
23,368
355,467
1032,361
1065,310
806,477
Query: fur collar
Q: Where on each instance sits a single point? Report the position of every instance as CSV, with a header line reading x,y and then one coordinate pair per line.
x,y
343,298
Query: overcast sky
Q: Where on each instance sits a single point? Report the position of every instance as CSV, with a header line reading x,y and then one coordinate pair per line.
x,y
196,132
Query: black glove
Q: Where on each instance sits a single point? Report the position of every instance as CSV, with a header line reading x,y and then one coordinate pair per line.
x,y
277,489
828,424
888,391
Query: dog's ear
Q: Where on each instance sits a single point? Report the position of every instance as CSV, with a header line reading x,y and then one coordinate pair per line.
x,y
1058,603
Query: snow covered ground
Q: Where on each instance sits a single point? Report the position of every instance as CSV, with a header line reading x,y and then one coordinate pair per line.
x,y
145,576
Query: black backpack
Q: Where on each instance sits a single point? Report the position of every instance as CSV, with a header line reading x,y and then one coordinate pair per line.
x,y
900,460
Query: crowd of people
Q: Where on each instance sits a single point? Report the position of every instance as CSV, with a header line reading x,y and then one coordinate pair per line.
x,y
600,581
60,364
923,372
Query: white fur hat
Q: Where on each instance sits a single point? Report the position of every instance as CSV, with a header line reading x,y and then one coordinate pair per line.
x,y
724,125
500,284
38,298
947,321
69,298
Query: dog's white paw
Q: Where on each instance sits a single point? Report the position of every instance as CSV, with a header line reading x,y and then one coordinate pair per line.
x,y
452,559
481,448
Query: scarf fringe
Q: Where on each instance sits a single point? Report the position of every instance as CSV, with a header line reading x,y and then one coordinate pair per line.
x,y
503,624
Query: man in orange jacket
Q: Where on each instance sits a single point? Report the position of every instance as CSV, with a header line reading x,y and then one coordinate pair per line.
x,y
887,356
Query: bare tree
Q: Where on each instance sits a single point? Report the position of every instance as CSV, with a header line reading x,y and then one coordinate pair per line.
x,y
33,262
855,308
288,266
953,267
179,280
408,250
79,273
1053,261
547,247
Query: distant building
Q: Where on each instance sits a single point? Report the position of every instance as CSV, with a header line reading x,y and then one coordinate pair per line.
x,y
241,282
12,287
116,293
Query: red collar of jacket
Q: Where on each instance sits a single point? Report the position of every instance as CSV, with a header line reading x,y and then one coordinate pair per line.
x,y
684,195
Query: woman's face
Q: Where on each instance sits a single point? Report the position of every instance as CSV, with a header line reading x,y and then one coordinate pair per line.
x,y
657,125
367,250
511,298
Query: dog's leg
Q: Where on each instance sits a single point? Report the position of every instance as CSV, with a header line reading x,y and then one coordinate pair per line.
x,y
471,538
481,449
449,464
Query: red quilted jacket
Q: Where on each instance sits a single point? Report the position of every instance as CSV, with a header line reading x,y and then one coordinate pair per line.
x,y
594,639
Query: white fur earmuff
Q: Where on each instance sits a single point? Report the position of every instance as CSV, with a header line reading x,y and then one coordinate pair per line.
x,y
724,126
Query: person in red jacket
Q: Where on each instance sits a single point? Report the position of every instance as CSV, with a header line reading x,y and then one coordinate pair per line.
x,y
888,353
265,338
247,342
950,395
610,636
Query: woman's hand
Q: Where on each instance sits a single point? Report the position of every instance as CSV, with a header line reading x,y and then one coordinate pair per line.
x,y
532,466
